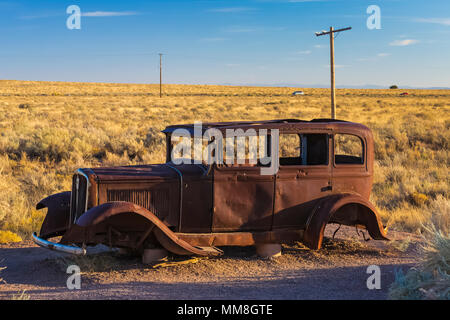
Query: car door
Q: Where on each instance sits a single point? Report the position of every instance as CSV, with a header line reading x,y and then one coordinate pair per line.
x,y
243,199
242,195
304,177
350,167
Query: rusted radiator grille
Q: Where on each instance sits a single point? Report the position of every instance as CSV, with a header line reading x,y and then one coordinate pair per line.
x,y
157,201
78,197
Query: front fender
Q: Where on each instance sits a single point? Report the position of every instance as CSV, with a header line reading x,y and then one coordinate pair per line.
x,y
56,221
130,218
348,209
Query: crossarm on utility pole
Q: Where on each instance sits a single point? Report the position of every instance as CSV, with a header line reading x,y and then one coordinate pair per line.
x,y
332,31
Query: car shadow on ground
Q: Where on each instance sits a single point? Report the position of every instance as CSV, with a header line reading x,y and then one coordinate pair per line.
x,y
331,283
40,267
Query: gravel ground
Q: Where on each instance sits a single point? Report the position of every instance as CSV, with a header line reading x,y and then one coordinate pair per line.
x,y
337,271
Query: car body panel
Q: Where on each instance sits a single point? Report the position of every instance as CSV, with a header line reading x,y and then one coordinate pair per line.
x,y
342,208
56,221
243,199
191,208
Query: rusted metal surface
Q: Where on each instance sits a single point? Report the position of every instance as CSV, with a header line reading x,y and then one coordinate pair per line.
x,y
298,187
241,238
193,208
243,200
345,208
56,221
126,220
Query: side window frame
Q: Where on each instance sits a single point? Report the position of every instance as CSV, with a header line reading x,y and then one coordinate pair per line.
x,y
364,151
242,167
299,147
303,145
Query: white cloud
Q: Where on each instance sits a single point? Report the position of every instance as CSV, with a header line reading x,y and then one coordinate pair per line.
x,y
379,55
297,1
239,29
244,29
402,43
40,16
304,52
441,21
337,66
365,59
319,46
212,39
231,10
108,13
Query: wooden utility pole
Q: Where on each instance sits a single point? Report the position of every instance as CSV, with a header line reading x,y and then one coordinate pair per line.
x,y
160,75
333,79
333,85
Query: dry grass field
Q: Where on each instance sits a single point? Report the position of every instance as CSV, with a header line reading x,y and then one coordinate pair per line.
x,y
48,129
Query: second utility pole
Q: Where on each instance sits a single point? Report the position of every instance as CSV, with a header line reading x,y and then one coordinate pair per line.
x,y
333,86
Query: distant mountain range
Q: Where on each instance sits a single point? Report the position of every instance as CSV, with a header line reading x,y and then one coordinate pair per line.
x,y
296,85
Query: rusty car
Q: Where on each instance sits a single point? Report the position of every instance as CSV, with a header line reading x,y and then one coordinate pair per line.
x,y
324,176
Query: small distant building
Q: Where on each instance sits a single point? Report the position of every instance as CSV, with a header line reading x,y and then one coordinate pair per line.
x,y
298,93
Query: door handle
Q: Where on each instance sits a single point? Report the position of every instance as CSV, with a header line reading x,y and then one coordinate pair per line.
x,y
327,188
301,173
241,177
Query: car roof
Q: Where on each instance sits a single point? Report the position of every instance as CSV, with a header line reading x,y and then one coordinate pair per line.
x,y
281,124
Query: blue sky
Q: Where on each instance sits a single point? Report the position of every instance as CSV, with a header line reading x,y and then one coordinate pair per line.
x,y
262,42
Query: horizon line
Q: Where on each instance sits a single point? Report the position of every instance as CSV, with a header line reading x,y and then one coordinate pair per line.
x,y
274,85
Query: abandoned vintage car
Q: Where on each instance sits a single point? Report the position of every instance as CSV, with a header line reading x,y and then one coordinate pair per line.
x,y
324,176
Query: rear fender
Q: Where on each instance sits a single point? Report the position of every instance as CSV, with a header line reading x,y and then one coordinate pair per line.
x,y
127,217
56,221
347,209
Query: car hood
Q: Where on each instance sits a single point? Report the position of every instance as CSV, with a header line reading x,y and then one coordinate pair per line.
x,y
167,171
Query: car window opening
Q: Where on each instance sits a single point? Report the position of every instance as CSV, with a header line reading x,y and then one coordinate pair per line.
x,y
304,149
348,149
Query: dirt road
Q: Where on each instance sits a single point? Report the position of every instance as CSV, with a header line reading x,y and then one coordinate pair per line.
x,y
338,271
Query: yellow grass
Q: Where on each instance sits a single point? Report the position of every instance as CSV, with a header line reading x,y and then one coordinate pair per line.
x,y
48,129
8,237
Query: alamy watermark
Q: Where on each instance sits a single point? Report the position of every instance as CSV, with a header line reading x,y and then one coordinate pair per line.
x,y
374,20
74,280
374,280
235,147
74,20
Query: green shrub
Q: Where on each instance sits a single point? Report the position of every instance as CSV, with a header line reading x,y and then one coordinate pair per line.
x,y
431,279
